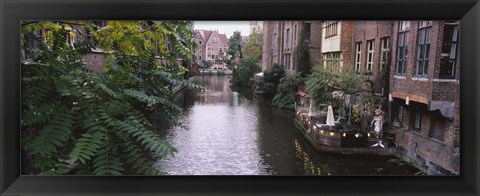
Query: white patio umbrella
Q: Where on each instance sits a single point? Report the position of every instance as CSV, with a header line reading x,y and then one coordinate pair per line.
x,y
330,118
311,109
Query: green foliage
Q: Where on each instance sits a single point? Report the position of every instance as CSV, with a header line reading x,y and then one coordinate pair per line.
x,y
243,76
235,46
323,83
100,123
287,91
253,48
270,80
205,64
302,57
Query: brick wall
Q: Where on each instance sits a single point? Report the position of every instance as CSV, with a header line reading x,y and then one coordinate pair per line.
x,y
370,30
95,62
435,156
315,44
346,44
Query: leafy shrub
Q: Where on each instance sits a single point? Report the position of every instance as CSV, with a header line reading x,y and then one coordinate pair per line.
x,y
105,123
243,76
287,91
270,80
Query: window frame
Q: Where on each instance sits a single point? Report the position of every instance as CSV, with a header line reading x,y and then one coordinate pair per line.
x,y
358,57
423,49
370,57
384,53
456,34
403,32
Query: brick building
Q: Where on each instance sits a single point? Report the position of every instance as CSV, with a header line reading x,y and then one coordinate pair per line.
x,y
212,46
280,39
372,53
336,44
424,86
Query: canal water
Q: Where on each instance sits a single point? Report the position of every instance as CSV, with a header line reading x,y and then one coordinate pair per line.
x,y
226,131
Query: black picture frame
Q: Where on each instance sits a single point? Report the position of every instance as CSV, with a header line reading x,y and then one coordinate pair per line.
x,y
13,11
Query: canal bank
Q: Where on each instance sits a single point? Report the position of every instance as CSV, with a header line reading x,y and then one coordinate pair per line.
x,y
226,131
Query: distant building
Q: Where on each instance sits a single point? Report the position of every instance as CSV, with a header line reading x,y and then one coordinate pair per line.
x,y
212,46
281,38
254,25
425,88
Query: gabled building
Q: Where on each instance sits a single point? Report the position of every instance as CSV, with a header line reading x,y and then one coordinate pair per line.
x,y
212,46
425,89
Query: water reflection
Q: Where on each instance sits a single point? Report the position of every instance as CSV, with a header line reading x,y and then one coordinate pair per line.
x,y
226,132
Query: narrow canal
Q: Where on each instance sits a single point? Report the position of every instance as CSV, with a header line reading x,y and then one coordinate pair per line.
x,y
227,132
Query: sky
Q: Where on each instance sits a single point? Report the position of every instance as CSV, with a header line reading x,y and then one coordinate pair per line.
x,y
227,27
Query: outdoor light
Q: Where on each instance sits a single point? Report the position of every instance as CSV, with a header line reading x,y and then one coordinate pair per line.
x,y
344,135
368,134
321,131
332,134
407,101
390,98
357,135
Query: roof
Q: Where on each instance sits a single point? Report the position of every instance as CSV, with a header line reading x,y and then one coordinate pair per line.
x,y
206,34
224,40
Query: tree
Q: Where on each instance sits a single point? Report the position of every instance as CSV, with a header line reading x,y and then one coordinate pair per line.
x,y
271,78
234,48
329,87
287,91
105,123
302,57
244,75
205,64
253,48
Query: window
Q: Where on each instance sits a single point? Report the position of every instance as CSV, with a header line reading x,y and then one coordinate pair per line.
x,y
449,50
295,34
333,61
423,48
287,61
70,37
273,40
416,119
404,25
358,55
370,50
385,55
437,126
288,38
199,57
402,48
213,56
200,42
306,32
331,29
400,113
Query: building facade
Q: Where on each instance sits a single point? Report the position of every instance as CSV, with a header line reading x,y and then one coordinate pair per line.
x,y
424,88
336,44
212,46
372,53
281,39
